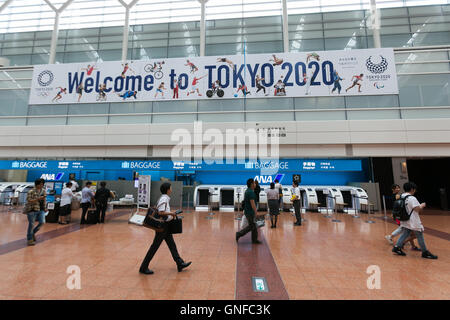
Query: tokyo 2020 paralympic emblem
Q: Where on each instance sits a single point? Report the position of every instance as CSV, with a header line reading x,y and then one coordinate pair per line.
x,y
45,78
377,68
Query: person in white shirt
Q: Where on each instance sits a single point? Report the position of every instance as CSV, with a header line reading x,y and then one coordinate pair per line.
x,y
273,201
163,207
74,185
296,202
87,199
65,204
413,207
280,191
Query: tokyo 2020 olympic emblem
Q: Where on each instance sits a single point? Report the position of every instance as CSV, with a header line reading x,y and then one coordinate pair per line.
x,y
45,78
377,68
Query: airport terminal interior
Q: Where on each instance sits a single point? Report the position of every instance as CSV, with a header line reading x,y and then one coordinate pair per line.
x,y
208,106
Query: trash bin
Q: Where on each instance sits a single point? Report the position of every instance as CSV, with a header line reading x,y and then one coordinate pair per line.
x,y
53,214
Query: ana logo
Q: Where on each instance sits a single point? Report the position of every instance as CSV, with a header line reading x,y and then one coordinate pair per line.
x,y
125,165
15,164
45,78
378,86
52,176
309,165
377,68
268,179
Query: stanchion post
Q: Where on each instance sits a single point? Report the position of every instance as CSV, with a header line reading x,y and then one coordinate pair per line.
x,y
356,215
188,199
368,212
238,216
384,206
210,213
327,215
335,211
301,208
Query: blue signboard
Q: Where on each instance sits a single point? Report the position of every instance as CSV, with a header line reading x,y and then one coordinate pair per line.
x,y
297,165
313,171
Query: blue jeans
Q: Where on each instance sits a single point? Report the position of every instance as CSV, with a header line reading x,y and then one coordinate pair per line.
x,y
32,217
405,235
397,231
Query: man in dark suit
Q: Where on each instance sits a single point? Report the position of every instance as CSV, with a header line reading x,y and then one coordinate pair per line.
x,y
101,200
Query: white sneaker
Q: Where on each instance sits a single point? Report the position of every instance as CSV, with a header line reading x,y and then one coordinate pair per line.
x,y
389,239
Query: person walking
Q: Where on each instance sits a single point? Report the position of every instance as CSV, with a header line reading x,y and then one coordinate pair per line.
x,y
163,207
101,197
296,202
87,198
35,206
74,186
250,213
273,203
65,204
413,208
257,192
279,187
395,196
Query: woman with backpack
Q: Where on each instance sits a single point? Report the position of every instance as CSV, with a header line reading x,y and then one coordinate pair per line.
x,y
163,208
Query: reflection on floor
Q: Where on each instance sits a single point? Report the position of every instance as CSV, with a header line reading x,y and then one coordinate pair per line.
x,y
319,260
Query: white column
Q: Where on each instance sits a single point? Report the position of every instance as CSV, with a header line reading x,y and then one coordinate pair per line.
x,y
54,42
126,27
4,5
55,32
285,28
203,27
375,21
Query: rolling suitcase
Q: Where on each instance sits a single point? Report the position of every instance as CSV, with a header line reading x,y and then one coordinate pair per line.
x,y
92,217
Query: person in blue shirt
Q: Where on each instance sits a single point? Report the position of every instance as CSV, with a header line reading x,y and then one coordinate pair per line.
x,y
128,94
337,79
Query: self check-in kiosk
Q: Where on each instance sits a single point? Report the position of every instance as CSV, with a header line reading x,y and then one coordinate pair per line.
x,y
21,192
263,198
314,198
361,199
309,198
226,200
287,194
329,197
205,196
7,190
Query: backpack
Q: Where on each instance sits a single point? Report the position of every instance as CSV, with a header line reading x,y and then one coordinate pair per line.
x,y
399,211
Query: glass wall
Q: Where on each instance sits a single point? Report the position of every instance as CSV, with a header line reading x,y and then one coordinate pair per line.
x,y
423,73
401,27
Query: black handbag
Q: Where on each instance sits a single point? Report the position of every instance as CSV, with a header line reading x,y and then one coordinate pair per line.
x,y
175,226
153,220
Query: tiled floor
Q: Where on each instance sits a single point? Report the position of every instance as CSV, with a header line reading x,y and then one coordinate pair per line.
x,y
319,260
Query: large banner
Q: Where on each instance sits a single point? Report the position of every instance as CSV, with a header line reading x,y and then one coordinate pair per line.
x,y
308,74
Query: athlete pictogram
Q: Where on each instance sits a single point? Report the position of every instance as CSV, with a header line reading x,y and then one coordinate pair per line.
x,y
356,79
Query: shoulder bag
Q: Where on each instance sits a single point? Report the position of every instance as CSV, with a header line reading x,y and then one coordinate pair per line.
x,y
153,220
